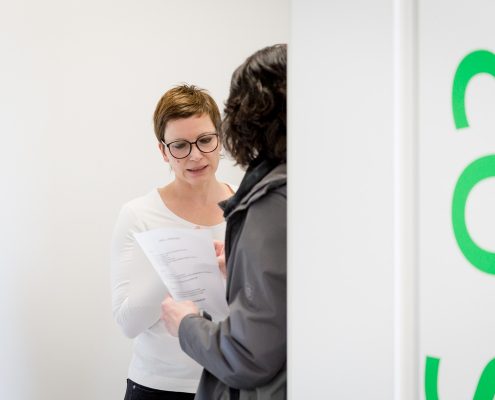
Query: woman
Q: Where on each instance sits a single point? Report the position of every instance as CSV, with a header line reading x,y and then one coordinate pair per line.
x,y
187,126
244,357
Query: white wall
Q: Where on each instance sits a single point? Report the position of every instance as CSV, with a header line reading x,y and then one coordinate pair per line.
x,y
457,297
342,251
341,200
79,83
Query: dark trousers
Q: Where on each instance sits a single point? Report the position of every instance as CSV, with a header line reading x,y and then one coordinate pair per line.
x,y
138,392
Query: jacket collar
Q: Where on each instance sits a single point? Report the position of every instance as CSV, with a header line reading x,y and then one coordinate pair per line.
x,y
261,177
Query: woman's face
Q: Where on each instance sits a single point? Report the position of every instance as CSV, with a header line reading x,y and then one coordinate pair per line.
x,y
197,167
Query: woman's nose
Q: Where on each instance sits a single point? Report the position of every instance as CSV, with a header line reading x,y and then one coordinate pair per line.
x,y
195,153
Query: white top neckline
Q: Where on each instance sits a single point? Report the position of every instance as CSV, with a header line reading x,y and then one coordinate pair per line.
x,y
169,211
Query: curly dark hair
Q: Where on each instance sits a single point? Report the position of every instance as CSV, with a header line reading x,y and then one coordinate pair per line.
x,y
255,122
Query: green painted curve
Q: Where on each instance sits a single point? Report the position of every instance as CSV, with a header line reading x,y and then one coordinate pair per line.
x,y
478,170
485,389
431,378
486,384
477,62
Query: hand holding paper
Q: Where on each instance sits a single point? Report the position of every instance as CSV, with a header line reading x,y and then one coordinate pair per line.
x,y
173,312
185,260
220,253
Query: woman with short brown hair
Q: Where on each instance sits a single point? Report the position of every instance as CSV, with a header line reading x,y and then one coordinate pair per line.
x,y
187,127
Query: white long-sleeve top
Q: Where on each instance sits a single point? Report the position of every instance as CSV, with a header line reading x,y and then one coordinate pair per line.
x,y
137,292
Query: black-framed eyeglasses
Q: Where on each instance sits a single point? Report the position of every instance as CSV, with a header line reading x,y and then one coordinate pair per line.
x,y
206,143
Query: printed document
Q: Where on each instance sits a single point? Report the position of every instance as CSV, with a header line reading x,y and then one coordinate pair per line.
x,y
186,262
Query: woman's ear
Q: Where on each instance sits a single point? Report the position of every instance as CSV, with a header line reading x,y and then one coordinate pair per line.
x,y
220,147
161,146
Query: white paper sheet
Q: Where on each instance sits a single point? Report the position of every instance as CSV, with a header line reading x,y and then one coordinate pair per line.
x,y
186,262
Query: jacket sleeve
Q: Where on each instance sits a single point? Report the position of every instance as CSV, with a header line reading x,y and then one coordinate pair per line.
x,y
248,349
137,291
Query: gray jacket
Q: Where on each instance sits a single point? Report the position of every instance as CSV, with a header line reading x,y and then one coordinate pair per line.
x,y
244,357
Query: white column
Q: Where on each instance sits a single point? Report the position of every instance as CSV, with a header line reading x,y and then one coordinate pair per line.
x,y
405,201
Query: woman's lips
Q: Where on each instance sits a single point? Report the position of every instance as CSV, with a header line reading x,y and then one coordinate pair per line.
x,y
197,169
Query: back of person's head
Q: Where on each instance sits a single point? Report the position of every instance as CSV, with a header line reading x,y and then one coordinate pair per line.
x,y
255,122
184,101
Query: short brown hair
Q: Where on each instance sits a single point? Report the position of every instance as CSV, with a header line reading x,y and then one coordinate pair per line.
x,y
255,121
184,101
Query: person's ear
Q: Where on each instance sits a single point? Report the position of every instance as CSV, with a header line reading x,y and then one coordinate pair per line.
x,y
220,146
161,146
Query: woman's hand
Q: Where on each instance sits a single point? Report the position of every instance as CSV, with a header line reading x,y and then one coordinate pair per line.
x,y
219,251
174,311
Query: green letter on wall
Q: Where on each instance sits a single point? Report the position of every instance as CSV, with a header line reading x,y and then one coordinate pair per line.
x,y
475,172
477,62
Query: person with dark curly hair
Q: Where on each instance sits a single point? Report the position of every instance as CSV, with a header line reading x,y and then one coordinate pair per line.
x,y
244,356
